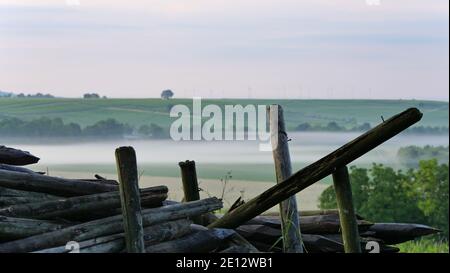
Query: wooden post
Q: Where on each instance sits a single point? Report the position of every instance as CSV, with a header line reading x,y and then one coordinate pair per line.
x,y
190,184
130,200
347,216
290,227
319,169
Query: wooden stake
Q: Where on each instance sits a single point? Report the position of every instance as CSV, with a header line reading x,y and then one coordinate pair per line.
x,y
292,240
130,199
347,216
190,184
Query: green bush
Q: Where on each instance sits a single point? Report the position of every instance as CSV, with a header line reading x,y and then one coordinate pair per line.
x,y
387,195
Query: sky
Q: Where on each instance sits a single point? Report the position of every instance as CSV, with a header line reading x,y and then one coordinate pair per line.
x,y
340,49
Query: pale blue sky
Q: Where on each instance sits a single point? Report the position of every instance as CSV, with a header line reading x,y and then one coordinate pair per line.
x,y
227,48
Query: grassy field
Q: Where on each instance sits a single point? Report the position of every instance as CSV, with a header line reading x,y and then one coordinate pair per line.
x,y
424,245
144,111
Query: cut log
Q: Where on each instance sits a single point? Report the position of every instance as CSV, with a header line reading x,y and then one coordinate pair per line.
x,y
236,240
116,243
110,225
396,233
12,201
51,185
82,207
269,239
322,224
15,228
15,169
199,242
5,192
320,169
17,157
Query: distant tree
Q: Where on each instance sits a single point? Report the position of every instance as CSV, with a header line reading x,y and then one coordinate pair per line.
x,y
362,128
303,127
91,96
333,126
167,94
107,128
152,131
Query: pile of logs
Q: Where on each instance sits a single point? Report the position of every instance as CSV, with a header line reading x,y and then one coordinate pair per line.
x,y
44,214
40,213
321,233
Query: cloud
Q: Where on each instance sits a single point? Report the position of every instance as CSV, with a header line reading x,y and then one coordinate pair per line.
x,y
226,45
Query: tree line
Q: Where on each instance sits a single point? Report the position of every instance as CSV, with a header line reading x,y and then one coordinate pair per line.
x,y
55,127
335,127
49,127
409,156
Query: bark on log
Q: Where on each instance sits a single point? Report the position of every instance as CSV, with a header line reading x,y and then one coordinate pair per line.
x,y
116,243
322,224
16,157
16,228
12,168
12,201
320,169
51,185
238,241
199,242
5,192
269,239
110,225
82,207
395,233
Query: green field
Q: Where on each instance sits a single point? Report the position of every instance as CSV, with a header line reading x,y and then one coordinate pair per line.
x,y
137,112
244,172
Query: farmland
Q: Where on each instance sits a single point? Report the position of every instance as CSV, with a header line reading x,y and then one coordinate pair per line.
x,y
137,112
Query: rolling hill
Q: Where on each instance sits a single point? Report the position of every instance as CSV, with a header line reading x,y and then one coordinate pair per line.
x,y
137,112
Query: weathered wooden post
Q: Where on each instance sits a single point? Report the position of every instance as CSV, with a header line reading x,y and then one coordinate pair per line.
x,y
130,199
290,227
347,215
190,184
319,169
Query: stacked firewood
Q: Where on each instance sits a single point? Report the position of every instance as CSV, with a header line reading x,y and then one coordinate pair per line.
x,y
45,214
